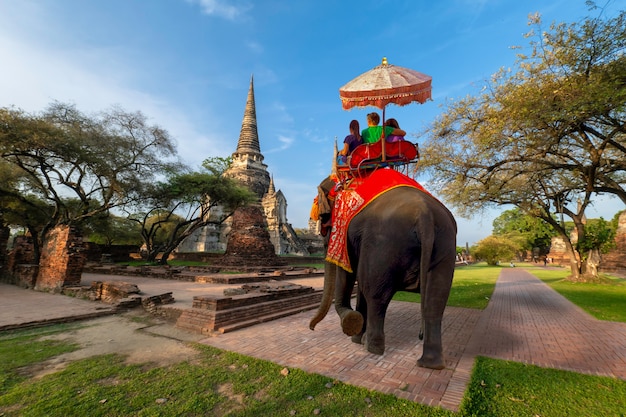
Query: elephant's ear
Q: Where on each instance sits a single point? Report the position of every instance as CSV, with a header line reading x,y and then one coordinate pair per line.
x,y
325,206
322,202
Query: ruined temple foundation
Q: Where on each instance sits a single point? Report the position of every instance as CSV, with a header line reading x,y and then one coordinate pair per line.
x,y
249,241
613,261
253,304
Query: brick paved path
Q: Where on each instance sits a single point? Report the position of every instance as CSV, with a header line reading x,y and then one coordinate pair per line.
x,y
525,321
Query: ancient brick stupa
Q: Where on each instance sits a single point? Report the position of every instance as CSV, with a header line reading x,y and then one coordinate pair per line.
x,y
249,170
249,241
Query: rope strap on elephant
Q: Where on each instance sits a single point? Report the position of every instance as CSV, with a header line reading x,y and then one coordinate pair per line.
x,y
351,201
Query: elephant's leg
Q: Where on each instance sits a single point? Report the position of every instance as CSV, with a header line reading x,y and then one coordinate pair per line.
x,y
434,297
375,335
351,321
432,355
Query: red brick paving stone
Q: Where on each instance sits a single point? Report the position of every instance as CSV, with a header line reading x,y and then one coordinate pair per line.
x,y
329,352
525,321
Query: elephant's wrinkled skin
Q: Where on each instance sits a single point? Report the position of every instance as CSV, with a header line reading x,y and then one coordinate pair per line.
x,y
403,240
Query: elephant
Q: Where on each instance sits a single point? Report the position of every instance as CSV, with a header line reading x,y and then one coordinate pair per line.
x,y
405,239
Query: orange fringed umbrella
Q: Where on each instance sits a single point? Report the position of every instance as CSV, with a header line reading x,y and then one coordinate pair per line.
x,y
386,84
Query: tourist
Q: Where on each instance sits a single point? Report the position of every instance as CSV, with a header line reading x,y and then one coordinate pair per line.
x,y
374,132
391,137
350,142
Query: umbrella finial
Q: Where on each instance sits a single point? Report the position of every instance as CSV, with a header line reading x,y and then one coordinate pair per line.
x,y
385,61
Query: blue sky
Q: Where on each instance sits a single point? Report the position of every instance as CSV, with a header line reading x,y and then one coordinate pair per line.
x,y
187,64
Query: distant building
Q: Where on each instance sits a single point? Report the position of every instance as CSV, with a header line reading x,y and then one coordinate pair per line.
x,y
249,170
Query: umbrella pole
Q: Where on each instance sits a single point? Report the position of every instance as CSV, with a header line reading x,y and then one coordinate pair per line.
x,y
382,138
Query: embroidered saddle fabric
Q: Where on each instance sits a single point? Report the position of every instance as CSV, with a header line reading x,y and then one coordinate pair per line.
x,y
351,201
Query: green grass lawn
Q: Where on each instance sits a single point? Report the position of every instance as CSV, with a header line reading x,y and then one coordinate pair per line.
x,y
605,301
219,383
472,287
502,388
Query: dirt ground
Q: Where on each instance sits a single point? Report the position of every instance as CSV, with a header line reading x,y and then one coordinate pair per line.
x,y
141,337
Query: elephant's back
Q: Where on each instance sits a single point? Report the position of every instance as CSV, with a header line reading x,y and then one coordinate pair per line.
x,y
398,227
402,211
406,205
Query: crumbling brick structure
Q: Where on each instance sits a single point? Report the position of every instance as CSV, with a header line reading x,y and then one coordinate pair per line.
x,y
249,241
615,260
5,233
20,268
62,260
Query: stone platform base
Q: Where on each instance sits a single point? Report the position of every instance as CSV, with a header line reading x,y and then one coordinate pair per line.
x,y
258,303
210,275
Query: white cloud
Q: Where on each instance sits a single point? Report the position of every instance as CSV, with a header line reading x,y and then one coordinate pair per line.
x,y
285,143
255,47
222,8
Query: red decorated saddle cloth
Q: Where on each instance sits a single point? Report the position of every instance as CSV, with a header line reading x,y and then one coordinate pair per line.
x,y
351,201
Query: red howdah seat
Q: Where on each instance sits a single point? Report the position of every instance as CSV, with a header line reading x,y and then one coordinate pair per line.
x,y
396,153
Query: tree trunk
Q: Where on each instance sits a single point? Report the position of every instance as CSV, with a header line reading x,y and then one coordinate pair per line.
x,y
165,257
591,264
151,255
574,263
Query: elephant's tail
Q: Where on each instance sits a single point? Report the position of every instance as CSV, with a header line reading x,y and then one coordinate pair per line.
x,y
427,239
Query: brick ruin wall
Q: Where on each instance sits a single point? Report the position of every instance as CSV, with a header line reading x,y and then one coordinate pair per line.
x,y
613,261
20,268
5,233
61,261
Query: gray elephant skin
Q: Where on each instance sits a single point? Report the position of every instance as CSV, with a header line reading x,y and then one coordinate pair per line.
x,y
403,240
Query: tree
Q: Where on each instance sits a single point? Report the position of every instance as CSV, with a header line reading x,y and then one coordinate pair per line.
x,y
494,249
545,138
172,210
63,167
108,230
599,238
533,233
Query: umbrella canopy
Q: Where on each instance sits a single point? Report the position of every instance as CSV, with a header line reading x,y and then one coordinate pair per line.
x,y
386,84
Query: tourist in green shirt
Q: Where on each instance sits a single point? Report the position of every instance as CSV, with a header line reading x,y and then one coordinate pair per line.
x,y
373,132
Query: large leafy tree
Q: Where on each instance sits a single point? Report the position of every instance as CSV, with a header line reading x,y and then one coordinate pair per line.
x,y
63,166
533,233
173,209
495,249
546,137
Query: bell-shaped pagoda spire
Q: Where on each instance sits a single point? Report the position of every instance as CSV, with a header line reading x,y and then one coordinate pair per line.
x,y
247,166
249,136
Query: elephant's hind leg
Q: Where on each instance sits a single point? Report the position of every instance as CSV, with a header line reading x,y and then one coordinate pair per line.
x,y
432,354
